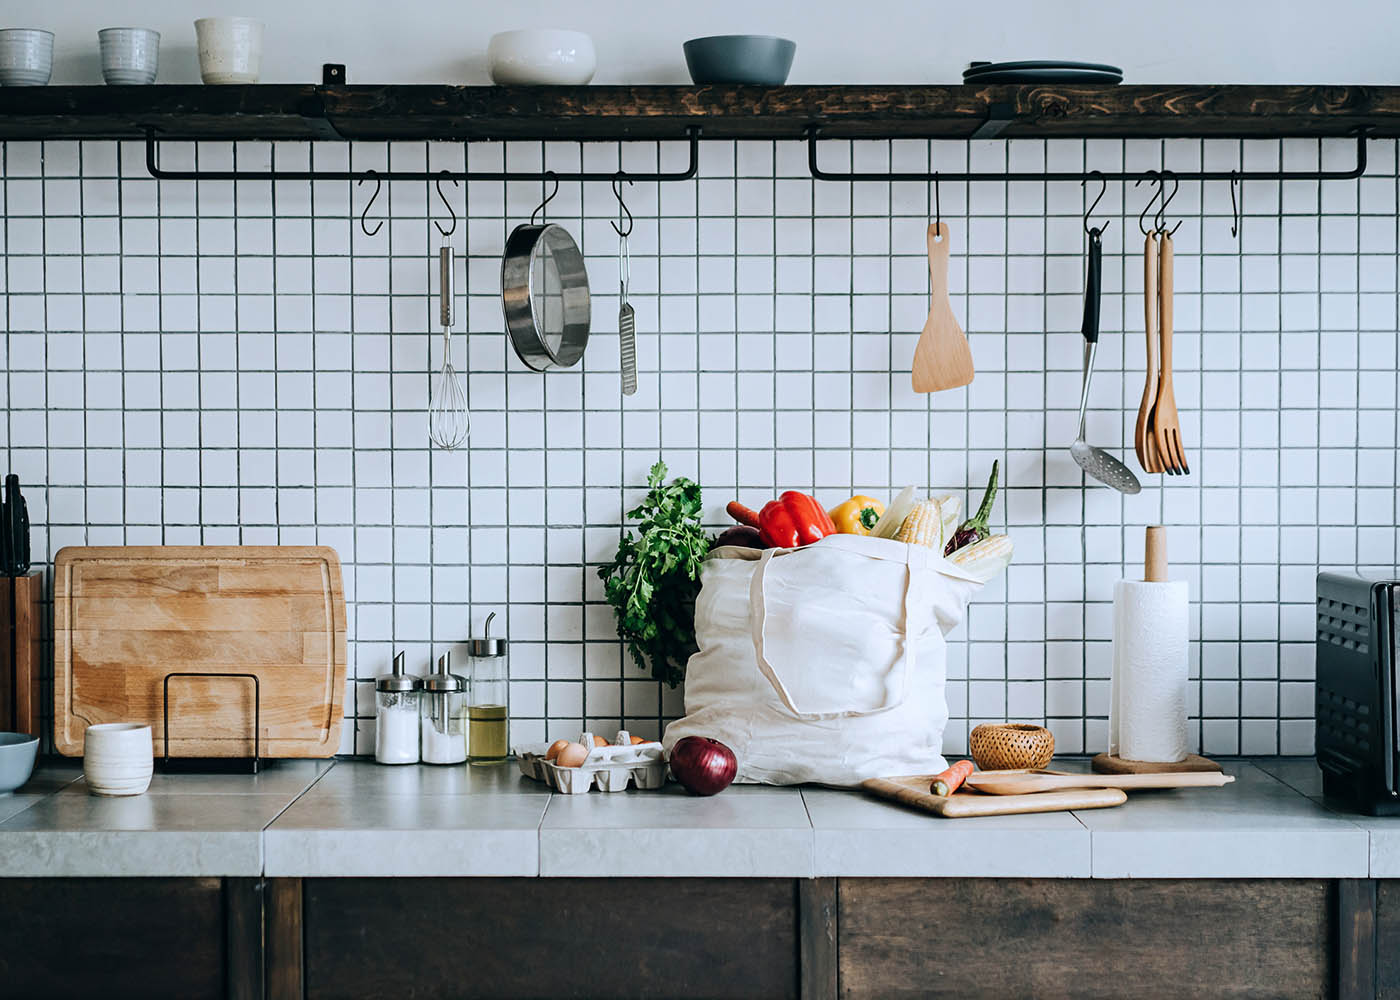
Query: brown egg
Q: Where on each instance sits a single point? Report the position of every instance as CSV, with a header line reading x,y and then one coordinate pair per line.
x,y
599,741
554,749
639,739
572,755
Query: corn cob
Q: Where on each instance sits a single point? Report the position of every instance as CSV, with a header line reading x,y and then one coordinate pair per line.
x,y
923,525
984,559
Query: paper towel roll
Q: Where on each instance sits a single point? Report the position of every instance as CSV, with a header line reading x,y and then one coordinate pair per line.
x,y
1147,717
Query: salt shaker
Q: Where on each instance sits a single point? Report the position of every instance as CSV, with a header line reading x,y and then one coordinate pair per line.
x,y
488,733
444,697
396,697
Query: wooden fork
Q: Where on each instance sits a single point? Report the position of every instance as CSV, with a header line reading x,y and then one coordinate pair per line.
x,y
1143,440
1166,426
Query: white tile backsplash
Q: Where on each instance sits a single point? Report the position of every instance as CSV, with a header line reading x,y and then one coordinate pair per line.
x,y
239,363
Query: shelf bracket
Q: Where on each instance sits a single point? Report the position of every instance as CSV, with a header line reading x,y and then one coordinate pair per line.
x,y
985,130
998,117
154,168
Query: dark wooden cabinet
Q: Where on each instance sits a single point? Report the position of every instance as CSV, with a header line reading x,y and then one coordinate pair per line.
x,y
295,939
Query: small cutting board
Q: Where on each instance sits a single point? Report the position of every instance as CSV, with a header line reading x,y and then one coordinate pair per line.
x,y
125,616
913,791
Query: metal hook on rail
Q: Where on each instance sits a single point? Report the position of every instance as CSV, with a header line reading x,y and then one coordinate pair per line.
x,y
446,175
621,206
365,214
550,176
1234,205
1155,178
1103,181
1159,220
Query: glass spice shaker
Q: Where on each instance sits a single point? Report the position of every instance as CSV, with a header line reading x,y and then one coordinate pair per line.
x,y
444,697
488,726
396,697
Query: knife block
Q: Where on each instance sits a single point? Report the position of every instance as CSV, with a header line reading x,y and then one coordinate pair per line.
x,y
20,634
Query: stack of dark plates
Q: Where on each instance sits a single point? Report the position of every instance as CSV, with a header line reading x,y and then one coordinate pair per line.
x,y
1042,71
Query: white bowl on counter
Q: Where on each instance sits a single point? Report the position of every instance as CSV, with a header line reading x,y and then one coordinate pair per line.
x,y
541,56
118,758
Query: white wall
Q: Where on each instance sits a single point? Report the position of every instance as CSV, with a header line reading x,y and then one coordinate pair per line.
x,y
876,41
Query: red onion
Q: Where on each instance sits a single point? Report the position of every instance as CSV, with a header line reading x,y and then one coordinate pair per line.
x,y
704,766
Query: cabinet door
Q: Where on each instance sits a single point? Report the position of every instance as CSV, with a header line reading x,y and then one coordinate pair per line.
x,y
550,937
1085,938
152,937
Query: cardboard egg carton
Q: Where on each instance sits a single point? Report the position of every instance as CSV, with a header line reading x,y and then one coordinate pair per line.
x,y
607,768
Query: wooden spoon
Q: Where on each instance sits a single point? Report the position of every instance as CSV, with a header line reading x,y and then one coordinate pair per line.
x,y
1021,782
942,358
1143,441
1166,425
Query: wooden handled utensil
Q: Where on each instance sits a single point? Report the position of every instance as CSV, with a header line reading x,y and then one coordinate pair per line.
x,y
942,358
1024,782
1143,439
1166,426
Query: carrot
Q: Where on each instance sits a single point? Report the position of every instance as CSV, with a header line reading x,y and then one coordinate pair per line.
x,y
742,514
951,780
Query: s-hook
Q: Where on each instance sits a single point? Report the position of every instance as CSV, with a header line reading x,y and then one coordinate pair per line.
x,y
1234,206
1156,178
1102,189
621,206
1160,219
365,214
937,210
549,175
446,175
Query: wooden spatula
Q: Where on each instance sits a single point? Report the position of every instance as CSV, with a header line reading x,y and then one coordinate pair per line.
x,y
1023,782
942,358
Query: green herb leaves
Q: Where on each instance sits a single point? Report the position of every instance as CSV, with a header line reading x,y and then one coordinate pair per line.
x,y
654,579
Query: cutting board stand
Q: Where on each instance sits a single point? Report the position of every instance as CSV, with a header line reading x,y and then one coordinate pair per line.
x,y
210,765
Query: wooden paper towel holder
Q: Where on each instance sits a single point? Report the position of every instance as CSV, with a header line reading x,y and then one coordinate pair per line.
x,y
1155,571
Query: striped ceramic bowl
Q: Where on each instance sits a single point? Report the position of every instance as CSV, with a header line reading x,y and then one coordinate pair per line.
x,y
26,57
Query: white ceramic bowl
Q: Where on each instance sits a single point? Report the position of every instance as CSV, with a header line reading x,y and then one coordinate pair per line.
x,y
535,56
230,49
26,57
118,758
129,55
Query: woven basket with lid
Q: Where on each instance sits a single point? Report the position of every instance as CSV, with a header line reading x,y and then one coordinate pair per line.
x,y
1010,746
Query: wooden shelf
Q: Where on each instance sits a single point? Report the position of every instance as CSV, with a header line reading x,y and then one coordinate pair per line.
x,y
277,111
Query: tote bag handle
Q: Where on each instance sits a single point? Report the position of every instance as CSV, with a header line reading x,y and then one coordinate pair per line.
x,y
758,605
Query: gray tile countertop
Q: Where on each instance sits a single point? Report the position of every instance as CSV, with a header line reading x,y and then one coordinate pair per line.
x,y
355,818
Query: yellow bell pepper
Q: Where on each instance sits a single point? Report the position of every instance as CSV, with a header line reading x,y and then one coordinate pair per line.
x,y
857,515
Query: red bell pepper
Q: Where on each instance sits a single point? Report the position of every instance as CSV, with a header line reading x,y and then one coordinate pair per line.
x,y
793,519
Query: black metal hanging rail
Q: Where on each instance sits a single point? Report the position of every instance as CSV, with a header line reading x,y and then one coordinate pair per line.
x,y
160,173
955,177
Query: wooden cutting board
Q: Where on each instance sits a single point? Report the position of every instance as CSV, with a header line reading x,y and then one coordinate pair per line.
x,y
913,791
124,617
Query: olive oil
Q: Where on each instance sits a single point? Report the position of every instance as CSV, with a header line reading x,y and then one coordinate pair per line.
x,y
487,734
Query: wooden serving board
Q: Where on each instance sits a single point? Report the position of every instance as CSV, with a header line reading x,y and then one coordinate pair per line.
x,y
124,617
913,791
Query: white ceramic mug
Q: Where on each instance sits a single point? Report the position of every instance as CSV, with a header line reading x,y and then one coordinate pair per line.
x,y
118,758
26,57
230,49
129,55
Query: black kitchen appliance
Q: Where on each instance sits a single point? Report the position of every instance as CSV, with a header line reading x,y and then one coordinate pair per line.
x,y
1356,707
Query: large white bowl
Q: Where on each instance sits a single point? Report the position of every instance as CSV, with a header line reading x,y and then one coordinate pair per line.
x,y
118,758
535,56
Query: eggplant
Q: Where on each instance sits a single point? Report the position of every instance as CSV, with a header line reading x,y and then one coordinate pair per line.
x,y
740,534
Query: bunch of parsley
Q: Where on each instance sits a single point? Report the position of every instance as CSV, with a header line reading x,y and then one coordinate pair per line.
x,y
654,579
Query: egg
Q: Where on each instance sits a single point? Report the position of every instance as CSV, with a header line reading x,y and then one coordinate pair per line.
x,y
639,739
554,749
598,741
572,755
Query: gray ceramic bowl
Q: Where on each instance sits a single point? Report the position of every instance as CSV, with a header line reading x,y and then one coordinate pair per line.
x,y
17,754
755,59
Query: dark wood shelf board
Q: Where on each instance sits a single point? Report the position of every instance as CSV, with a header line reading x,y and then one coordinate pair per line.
x,y
277,111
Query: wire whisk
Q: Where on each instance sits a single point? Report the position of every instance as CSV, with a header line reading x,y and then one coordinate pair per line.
x,y
449,423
